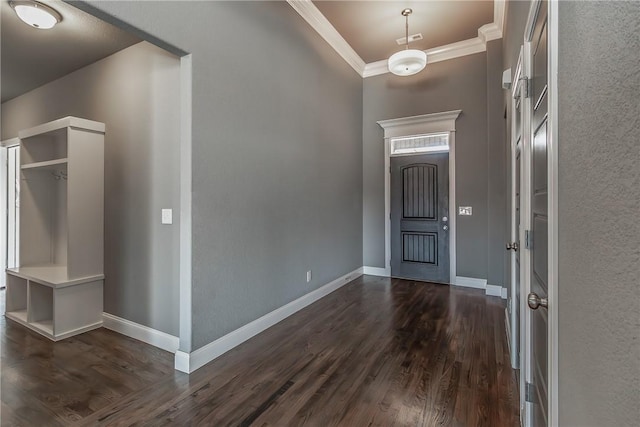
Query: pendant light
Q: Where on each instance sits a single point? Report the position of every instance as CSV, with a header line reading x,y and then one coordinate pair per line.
x,y
36,14
409,61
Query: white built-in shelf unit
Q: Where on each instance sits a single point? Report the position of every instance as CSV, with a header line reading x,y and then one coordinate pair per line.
x,y
57,289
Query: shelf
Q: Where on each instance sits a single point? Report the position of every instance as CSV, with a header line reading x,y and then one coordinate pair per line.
x,y
49,164
54,276
65,122
44,326
18,315
58,291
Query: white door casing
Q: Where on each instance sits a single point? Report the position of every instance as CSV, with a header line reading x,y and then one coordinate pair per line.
x,y
516,142
420,125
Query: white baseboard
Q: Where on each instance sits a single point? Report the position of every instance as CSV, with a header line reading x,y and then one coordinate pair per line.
x,y
472,282
140,332
494,290
189,362
375,271
507,327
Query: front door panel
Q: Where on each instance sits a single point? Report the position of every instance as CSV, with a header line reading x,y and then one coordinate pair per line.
x,y
419,223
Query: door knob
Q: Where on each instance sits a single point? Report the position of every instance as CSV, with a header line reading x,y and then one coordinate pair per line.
x,y
512,246
535,301
445,228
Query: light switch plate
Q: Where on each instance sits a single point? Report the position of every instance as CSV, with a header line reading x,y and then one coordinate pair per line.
x,y
167,216
465,210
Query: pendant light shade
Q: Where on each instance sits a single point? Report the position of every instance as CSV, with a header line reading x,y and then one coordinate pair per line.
x,y
409,61
36,14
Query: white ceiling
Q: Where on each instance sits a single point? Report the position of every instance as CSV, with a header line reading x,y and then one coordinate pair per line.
x,y
32,57
372,27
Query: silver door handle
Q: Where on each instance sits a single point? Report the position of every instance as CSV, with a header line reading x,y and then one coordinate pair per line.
x,y
535,301
445,228
512,246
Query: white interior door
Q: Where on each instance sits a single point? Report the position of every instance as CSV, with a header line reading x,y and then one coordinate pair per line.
x,y
536,237
516,209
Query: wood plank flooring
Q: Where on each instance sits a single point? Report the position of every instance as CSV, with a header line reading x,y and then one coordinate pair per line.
x,y
377,352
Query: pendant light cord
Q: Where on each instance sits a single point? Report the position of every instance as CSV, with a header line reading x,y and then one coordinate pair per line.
x,y
406,31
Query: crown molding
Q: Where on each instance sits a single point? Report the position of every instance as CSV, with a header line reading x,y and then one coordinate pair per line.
x,y
310,13
436,54
321,24
425,123
489,32
499,15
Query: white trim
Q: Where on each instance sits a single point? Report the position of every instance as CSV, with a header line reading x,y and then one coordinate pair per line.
x,y
11,142
419,125
515,148
499,16
185,201
525,224
140,332
310,13
62,123
507,327
489,32
494,290
375,271
189,362
470,282
475,283
181,361
552,170
416,125
327,31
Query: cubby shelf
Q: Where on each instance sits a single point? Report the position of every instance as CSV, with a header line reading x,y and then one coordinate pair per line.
x,y
54,276
49,164
57,290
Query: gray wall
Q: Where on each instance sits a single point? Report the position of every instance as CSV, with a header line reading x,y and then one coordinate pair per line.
x,y
599,202
135,92
277,155
459,83
516,19
496,168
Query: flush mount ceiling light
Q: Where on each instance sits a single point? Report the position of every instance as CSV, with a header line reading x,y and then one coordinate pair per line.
x,y
409,61
36,14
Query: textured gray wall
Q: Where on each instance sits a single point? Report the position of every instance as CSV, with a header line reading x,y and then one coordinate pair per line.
x,y
516,19
496,168
277,155
459,83
135,92
599,202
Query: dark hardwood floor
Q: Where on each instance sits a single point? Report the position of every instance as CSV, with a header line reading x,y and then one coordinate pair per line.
x,y
376,352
